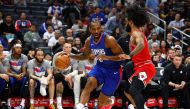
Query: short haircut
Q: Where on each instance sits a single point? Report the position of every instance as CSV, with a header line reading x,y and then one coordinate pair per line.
x,y
137,15
48,18
38,49
94,21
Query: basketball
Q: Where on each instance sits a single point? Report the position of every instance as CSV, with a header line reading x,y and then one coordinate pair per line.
x,y
62,62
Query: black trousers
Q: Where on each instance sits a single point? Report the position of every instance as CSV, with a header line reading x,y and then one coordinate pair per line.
x,y
168,91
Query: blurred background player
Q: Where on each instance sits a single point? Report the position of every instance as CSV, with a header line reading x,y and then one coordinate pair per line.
x,y
62,78
3,76
41,75
16,64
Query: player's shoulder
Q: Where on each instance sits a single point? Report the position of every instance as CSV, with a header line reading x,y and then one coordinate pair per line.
x,y
137,34
31,62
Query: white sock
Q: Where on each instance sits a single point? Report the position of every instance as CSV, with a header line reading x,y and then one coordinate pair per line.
x,y
80,106
76,88
9,102
50,101
59,99
31,101
22,103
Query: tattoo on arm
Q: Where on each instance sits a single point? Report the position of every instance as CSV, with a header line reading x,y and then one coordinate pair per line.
x,y
140,45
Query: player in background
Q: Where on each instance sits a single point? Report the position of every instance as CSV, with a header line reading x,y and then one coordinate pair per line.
x,y
16,69
41,75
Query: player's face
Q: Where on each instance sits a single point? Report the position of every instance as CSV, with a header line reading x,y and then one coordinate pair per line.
x,y
177,61
67,48
18,50
128,27
95,29
39,56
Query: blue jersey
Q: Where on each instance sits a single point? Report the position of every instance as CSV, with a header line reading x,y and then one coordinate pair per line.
x,y
100,48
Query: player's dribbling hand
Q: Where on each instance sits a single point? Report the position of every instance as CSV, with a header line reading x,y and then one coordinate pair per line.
x,y
124,56
102,57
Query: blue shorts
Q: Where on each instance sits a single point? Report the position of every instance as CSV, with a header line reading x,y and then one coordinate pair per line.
x,y
110,79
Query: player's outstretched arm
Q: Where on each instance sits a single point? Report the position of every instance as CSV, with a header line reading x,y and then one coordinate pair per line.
x,y
86,51
112,44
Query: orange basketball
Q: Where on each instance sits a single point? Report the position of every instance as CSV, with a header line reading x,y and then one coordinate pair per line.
x,y
62,62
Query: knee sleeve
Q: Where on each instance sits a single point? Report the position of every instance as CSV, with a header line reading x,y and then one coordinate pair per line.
x,y
136,86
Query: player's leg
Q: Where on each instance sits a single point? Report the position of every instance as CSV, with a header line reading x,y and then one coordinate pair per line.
x,y
23,93
12,82
32,84
135,91
76,88
112,80
58,78
89,87
126,92
2,84
51,87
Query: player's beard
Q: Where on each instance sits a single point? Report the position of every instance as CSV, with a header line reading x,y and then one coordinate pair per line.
x,y
39,61
128,28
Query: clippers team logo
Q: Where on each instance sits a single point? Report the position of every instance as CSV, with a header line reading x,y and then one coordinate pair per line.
x,y
39,71
16,65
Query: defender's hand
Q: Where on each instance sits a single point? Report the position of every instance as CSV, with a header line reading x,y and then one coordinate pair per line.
x,y
124,56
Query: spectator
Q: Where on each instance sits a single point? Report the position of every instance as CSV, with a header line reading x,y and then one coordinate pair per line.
x,y
186,53
112,13
153,39
93,3
98,15
59,45
7,27
41,76
22,25
31,36
55,8
44,26
69,33
163,47
113,23
3,76
177,42
178,50
156,60
77,45
71,12
48,34
79,29
187,62
170,17
177,23
169,40
152,6
186,28
119,6
16,66
155,47
57,24
53,40
1,17
169,57
174,79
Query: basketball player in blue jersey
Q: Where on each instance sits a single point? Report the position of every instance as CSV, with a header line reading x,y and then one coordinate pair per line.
x,y
106,71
